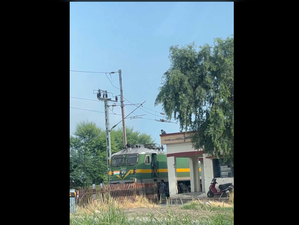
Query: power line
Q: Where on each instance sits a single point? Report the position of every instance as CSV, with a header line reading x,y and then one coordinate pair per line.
x,y
127,115
84,99
88,99
145,110
143,106
152,113
146,119
82,71
165,121
93,110
86,109
113,114
111,110
161,120
111,82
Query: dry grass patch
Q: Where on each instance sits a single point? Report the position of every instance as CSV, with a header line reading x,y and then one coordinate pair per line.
x,y
98,205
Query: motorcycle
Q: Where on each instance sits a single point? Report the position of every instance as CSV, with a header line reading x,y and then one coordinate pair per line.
x,y
223,189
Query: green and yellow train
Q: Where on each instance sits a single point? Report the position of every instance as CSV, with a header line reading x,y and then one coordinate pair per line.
x,y
147,164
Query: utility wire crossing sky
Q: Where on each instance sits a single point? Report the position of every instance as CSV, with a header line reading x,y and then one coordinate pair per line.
x,y
134,37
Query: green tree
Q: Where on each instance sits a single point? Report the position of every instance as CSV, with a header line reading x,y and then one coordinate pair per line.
x,y
198,91
88,152
88,160
133,137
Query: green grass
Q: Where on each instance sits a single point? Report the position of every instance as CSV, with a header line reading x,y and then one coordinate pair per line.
x,y
218,219
112,212
196,205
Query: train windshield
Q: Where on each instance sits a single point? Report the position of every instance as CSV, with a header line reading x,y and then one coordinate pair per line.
x,y
117,160
131,159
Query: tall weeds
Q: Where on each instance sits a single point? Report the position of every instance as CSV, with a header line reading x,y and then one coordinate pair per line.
x,y
111,211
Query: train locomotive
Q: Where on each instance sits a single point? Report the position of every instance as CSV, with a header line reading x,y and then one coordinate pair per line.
x,y
147,164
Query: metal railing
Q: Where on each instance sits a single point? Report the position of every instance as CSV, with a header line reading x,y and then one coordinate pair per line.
x,y
117,191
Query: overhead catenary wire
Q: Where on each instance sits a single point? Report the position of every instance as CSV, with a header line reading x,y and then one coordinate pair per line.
x,y
86,109
127,99
145,110
161,120
114,114
111,110
111,82
93,110
100,111
127,115
83,71
136,117
87,99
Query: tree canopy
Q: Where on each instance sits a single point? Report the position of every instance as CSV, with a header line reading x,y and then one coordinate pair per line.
x,y
88,157
198,91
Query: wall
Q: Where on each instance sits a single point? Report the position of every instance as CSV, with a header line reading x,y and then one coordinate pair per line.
x,y
175,138
181,147
172,181
209,175
179,143
194,174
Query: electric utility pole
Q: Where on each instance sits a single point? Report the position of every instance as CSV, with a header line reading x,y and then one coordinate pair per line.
x,y
103,95
122,109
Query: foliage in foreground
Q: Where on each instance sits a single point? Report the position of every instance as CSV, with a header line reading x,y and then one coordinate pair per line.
x,y
112,212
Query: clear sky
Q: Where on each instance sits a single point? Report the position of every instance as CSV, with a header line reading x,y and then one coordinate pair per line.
x,y
134,37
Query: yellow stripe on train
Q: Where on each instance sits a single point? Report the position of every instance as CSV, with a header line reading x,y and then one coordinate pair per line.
x,y
182,170
162,170
144,171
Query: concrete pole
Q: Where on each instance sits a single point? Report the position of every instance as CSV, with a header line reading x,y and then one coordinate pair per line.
x,y
108,140
122,109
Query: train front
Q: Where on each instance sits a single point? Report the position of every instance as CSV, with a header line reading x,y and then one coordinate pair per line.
x,y
123,167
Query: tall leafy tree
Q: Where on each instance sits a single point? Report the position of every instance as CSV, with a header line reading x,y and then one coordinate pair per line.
x,y
133,137
198,91
88,152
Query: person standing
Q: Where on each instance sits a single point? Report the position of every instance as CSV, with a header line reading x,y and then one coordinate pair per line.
x,y
77,197
102,188
162,190
101,183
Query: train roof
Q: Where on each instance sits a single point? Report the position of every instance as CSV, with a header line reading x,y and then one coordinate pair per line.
x,y
140,150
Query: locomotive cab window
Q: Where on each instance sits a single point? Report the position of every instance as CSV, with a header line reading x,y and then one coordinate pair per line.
x,y
131,159
117,160
147,160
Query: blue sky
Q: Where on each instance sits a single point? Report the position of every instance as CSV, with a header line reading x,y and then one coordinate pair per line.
x,y
134,37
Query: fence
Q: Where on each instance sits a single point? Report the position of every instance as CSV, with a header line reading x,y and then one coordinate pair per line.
x,y
119,191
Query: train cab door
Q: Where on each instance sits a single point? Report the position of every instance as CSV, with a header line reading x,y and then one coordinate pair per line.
x,y
154,166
